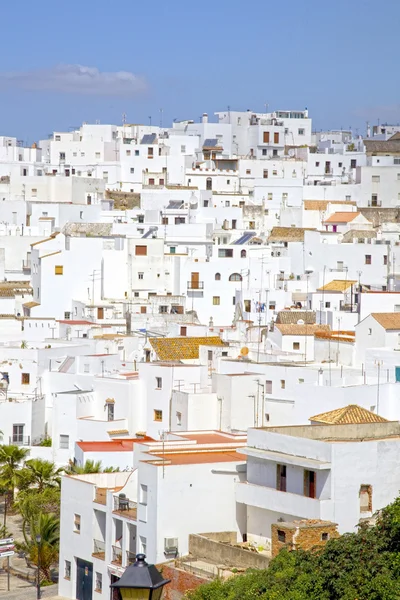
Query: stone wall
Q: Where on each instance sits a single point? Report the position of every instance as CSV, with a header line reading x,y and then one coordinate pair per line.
x,y
221,553
305,535
181,581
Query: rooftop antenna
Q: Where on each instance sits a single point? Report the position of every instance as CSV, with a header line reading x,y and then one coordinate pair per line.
x,y
266,107
150,120
123,118
161,117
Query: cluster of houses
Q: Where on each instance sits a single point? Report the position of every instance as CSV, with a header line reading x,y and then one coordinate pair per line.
x,y
212,310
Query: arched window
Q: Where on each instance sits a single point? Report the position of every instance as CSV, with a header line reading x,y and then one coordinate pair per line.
x,y
209,183
235,277
217,276
243,254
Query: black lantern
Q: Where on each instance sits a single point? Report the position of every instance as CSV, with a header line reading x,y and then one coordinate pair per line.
x,y
140,581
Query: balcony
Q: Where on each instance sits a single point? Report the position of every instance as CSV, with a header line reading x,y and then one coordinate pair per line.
x,y
374,203
99,549
350,308
125,507
100,496
195,285
26,266
130,557
116,556
276,501
20,440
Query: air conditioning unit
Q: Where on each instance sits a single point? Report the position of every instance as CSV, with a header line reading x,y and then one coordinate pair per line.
x,y
171,545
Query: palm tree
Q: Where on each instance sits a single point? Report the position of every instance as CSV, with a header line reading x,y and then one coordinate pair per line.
x,y
90,466
48,527
40,474
10,462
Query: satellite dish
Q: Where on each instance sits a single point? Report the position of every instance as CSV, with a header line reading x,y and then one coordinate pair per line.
x,y
300,322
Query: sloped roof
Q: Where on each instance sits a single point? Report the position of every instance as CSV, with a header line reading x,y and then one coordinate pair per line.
x,y
182,348
211,143
351,414
342,217
288,234
91,229
389,321
149,138
389,146
349,236
8,289
337,285
294,329
287,317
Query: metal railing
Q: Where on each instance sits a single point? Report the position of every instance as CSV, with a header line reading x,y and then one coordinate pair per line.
x,y
195,285
116,555
20,440
374,203
130,557
99,549
125,506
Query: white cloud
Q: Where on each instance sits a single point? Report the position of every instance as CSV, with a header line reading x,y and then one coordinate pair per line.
x,y
75,79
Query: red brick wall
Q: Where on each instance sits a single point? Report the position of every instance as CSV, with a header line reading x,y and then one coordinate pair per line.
x,y
181,581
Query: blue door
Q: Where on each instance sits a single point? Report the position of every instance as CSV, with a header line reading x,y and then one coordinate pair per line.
x,y
397,373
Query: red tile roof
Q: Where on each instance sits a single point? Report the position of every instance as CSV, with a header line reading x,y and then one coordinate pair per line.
x,y
125,445
69,322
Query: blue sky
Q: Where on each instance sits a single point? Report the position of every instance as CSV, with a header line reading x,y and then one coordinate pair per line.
x,y
339,59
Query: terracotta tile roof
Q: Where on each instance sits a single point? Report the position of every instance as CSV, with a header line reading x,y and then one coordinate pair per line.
x,y
390,146
182,348
288,234
294,329
31,304
323,204
389,321
70,322
293,316
125,445
351,414
349,236
342,217
8,289
337,285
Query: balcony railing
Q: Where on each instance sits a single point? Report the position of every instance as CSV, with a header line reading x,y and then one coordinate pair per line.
x,y
130,557
116,555
99,549
125,507
195,285
374,203
100,496
20,440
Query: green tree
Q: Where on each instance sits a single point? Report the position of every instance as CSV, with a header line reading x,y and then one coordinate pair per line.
x,y
90,466
48,527
31,504
40,474
11,458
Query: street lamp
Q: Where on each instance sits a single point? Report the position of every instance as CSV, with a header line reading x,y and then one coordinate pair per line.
x,y
38,542
140,581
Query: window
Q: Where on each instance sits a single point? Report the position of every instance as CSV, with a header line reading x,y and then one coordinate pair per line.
x,y
283,384
141,250
368,259
265,174
272,305
276,137
317,164
18,434
340,165
264,152
296,345
217,277
385,259
353,163
208,183
64,442
25,378
164,221
172,250
310,480
98,586
235,277
163,309
243,254
132,169
183,331
183,149
150,152
82,154
159,383
281,536
110,411
301,131
151,181
143,494
227,203
327,304
281,478
161,182
301,380
248,171
77,523
365,498
34,192
266,137
270,195
157,415
179,419
58,138
268,386
369,331
376,178
216,300
58,270
225,354
209,355
324,537
225,253
179,220
67,569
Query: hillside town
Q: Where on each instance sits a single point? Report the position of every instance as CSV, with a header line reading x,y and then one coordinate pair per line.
x,y
200,341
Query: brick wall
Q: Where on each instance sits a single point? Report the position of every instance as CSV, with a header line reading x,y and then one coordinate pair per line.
x,y
181,582
304,535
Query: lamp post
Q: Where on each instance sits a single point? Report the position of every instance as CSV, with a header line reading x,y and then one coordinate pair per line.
x,y
140,581
38,542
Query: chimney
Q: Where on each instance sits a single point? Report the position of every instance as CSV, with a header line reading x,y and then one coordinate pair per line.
x,y
205,118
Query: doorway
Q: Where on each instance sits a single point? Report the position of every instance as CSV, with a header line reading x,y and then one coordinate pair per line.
x,y
84,579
